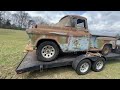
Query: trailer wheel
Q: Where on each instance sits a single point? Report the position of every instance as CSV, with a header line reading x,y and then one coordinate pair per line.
x,y
47,51
83,67
98,65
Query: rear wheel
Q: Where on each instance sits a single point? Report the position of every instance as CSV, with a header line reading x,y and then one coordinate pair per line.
x,y
47,51
106,50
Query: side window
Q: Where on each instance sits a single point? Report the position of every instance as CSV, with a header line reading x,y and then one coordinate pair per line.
x,y
80,23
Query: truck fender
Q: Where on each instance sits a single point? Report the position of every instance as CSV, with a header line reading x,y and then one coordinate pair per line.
x,y
82,57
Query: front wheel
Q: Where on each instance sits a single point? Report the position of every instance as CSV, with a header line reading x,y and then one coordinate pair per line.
x,y
47,51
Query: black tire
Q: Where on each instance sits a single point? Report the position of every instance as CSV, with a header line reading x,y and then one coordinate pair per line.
x,y
40,57
101,66
106,50
79,72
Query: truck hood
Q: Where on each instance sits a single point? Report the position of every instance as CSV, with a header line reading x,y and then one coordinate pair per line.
x,y
52,30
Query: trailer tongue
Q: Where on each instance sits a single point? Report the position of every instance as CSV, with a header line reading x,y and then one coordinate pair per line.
x,y
30,62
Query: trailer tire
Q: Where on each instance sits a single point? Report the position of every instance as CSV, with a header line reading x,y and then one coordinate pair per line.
x,y
42,55
98,65
83,67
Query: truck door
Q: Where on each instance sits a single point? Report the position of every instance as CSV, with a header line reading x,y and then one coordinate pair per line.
x,y
78,38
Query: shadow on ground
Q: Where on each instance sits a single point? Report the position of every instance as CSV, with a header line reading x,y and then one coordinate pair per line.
x,y
113,61
50,73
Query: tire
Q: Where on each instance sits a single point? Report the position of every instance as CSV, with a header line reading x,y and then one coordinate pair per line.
x,y
106,50
98,65
45,54
82,71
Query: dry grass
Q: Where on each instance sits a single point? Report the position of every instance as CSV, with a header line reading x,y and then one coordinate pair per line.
x,y
12,43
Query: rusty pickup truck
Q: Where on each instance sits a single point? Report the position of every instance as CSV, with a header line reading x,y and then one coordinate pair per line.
x,y
70,34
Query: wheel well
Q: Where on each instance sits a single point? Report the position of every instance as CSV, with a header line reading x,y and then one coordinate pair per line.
x,y
110,45
43,40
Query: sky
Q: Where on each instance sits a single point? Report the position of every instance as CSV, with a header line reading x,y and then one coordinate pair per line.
x,y
99,22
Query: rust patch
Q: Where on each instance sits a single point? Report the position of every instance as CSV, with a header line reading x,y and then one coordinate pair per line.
x,y
101,41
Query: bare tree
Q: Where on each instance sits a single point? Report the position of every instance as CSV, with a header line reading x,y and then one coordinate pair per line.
x,y
21,19
15,19
39,20
26,19
8,15
2,14
21,15
31,23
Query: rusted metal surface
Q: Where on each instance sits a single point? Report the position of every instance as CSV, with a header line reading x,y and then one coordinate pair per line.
x,y
89,54
101,41
69,38
28,47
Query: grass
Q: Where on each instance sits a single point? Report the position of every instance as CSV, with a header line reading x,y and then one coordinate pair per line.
x,y
12,43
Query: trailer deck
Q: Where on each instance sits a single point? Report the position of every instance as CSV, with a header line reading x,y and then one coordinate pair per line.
x,y
30,62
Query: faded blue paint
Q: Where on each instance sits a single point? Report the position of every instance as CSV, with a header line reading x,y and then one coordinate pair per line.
x,y
93,42
64,47
78,43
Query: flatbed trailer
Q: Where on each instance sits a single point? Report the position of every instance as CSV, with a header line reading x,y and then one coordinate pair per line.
x,y
30,62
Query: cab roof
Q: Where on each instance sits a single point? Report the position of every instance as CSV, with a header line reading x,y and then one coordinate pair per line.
x,y
74,16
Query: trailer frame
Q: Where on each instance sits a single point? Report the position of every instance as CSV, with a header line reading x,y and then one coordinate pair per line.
x,y
30,62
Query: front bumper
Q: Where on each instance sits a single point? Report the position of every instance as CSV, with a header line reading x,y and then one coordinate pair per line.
x,y
29,47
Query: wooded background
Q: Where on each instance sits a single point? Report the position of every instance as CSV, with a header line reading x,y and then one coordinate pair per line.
x,y
20,20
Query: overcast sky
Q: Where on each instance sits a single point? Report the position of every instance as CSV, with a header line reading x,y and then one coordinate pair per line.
x,y
99,22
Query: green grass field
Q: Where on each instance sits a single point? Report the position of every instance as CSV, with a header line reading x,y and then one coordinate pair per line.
x,y
12,43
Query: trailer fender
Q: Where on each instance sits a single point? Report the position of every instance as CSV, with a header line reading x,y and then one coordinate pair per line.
x,y
95,58
82,57
77,60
